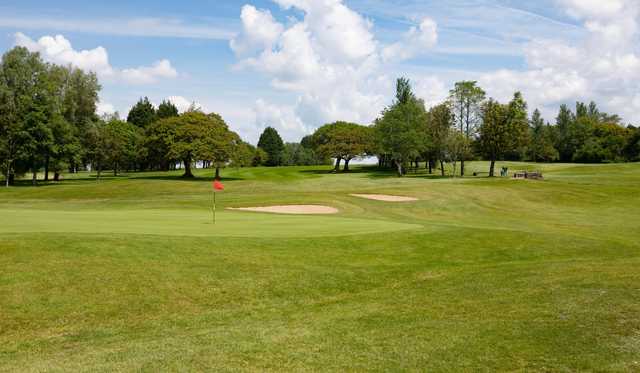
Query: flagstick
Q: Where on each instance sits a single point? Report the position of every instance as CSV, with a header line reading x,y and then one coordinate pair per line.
x,y
214,207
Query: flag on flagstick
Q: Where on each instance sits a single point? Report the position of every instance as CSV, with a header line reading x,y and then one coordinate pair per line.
x,y
217,185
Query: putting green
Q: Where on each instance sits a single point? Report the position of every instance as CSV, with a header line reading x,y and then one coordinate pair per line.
x,y
191,223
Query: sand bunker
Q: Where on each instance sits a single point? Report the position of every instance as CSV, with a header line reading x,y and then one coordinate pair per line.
x,y
290,209
385,197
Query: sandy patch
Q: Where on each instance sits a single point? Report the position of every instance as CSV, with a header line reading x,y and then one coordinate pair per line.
x,y
385,197
290,209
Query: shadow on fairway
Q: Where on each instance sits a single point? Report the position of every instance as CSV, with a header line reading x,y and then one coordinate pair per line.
x,y
180,178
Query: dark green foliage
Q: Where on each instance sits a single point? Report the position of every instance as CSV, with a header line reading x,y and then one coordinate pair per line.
x,y
343,141
271,142
142,114
166,110
295,154
632,147
502,129
540,146
440,120
399,133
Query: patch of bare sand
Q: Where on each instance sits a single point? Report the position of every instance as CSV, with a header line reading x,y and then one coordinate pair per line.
x,y
290,209
385,197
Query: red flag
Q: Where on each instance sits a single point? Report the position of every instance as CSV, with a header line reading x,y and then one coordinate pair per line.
x,y
217,185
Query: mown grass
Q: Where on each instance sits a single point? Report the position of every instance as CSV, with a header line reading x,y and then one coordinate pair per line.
x,y
479,275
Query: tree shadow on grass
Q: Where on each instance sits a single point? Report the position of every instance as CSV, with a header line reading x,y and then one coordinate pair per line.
x,y
181,178
23,183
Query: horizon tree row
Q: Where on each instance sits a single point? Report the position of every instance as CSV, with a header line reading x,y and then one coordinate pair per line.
x,y
469,126
48,123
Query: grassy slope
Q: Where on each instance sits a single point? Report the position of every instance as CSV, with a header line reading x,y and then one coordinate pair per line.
x,y
480,274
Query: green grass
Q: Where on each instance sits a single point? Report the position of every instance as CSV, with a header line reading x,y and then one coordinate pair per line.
x,y
478,275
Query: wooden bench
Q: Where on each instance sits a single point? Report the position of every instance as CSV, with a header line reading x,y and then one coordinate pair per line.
x,y
535,175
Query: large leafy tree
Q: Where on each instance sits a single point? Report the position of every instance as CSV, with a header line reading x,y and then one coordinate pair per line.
x,y
142,114
121,142
519,124
97,146
500,131
218,144
23,111
457,148
439,121
570,132
343,141
271,142
79,100
400,131
466,98
540,148
196,136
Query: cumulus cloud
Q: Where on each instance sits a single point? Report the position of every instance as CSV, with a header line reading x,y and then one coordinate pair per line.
x,y
417,40
57,49
259,31
182,103
330,59
149,74
605,67
105,108
328,56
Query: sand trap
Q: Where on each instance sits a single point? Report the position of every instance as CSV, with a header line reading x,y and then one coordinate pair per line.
x,y
385,197
290,209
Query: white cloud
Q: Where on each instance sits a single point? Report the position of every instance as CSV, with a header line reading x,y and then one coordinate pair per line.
x,y
594,8
281,118
330,59
416,41
182,103
150,74
145,26
105,108
259,31
604,67
57,49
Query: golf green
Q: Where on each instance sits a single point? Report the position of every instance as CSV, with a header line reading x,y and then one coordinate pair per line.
x,y
191,223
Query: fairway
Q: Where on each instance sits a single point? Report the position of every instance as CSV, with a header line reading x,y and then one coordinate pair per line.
x,y
476,274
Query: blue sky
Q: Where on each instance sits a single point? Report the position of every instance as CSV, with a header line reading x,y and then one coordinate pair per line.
x,y
341,57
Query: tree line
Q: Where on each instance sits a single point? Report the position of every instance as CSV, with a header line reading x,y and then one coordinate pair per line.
x,y
48,123
469,126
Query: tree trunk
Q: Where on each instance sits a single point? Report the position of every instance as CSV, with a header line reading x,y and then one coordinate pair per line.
x,y
56,176
442,168
430,166
492,167
8,175
399,168
462,167
99,169
34,178
187,168
337,167
115,169
346,165
217,177
46,168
